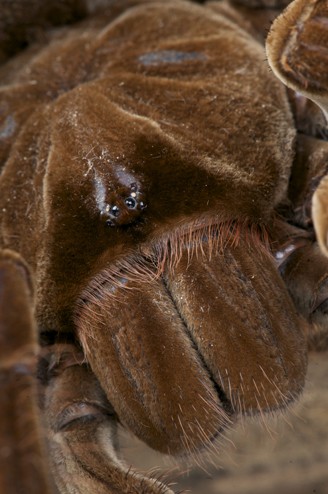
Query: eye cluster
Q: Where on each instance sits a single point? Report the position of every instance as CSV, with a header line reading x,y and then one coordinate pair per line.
x,y
124,207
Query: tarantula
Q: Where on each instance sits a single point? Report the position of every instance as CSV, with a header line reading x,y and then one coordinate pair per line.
x,y
159,266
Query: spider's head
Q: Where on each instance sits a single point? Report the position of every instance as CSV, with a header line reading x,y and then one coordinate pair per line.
x,y
179,307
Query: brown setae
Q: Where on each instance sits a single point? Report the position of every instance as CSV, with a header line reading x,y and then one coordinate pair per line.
x,y
163,228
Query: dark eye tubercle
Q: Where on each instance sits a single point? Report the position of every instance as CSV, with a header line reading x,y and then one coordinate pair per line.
x,y
130,202
123,210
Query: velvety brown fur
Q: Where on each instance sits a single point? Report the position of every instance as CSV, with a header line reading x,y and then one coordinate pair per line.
x,y
146,154
185,174
22,454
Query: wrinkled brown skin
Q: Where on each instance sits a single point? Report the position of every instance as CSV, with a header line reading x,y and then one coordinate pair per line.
x,y
156,230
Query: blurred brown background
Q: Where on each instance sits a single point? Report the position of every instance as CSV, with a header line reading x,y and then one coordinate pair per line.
x,y
286,455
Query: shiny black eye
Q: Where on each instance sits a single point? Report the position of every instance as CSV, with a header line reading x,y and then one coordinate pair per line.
x,y
130,202
115,211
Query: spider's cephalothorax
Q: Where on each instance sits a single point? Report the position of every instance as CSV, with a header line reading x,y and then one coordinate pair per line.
x,y
155,198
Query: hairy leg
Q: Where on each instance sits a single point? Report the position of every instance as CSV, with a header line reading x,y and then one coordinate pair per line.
x,y
298,53
81,430
262,3
22,454
78,426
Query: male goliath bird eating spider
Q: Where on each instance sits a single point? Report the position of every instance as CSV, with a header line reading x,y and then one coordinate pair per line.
x,y
159,267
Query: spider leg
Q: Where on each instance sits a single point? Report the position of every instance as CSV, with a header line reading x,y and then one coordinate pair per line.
x,y
320,214
81,429
23,468
302,264
304,269
297,48
262,3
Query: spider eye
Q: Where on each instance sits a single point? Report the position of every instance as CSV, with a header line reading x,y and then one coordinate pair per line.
x,y
130,202
115,211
